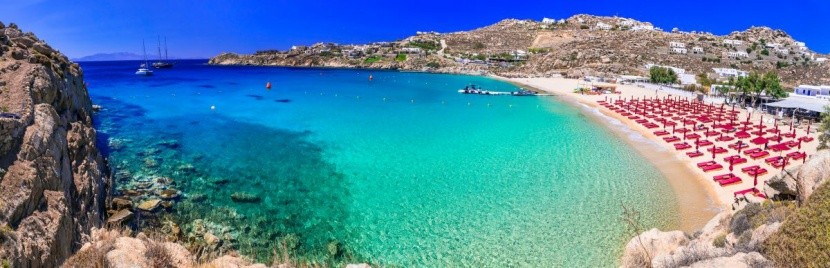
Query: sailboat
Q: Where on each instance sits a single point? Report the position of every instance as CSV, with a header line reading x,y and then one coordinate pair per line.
x,y
143,70
162,63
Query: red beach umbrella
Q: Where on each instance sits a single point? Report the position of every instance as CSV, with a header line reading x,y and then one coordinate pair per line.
x,y
740,145
799,144
759,140
784,164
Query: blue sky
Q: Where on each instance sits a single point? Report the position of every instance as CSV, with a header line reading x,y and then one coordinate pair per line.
x,y
200,29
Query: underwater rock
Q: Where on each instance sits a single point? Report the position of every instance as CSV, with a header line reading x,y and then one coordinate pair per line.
x,y
245,197
150,163
123,175
172,144
167,204
211,239
115,144
97,108
121,203
120,216
169,194
187,168
198,197
164,180
220,181
149,205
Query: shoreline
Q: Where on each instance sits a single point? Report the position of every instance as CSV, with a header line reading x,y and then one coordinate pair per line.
x,y
696,206
697,194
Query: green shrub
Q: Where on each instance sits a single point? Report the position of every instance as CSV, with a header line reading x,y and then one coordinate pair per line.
x,y
434,65
720,241
804,237
584,27
400,57
371,59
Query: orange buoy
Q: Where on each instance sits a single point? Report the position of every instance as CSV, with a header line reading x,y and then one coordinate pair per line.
x,y
370,77
268,85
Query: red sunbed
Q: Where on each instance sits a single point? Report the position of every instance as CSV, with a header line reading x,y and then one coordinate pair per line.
x,y
745,191
661,133
759,154
774,159
712,167
723,177
752,151
671,139
746,169
729,181
694,154
707,163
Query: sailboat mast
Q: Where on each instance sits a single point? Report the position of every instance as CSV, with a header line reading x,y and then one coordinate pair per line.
x,y
165,48
159,47
144,50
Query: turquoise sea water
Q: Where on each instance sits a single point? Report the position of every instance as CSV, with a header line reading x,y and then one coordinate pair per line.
x,y
401,170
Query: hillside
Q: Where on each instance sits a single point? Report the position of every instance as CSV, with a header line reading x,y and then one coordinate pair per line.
x,y
577,46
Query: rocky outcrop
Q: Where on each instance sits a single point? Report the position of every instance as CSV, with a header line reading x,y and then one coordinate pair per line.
x,y
753,235
802,182
54,180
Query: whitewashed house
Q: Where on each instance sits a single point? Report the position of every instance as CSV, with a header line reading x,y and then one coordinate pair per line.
x,y
412,50
697,50
821,60
642,27
733,42
773,45
783,51
729,72
548,20
626,23
810,90
678,50
677,45
604,26
737,54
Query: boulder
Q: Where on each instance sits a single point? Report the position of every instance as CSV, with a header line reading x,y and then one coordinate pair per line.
x,y
169,194
149,205
739,260
655,243
803,181
120,216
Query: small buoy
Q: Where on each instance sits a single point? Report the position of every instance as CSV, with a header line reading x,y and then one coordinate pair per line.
x,y
213,107
412,101
370,77
384,99
268,85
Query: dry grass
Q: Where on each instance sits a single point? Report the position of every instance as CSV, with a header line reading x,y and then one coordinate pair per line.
x,y
157,255
804,237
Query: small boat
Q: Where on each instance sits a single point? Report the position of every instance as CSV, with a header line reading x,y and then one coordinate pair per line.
x,y
473,89
162,64
143,70
523,93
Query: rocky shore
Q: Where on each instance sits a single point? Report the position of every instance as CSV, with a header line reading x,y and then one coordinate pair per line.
x,y
769,234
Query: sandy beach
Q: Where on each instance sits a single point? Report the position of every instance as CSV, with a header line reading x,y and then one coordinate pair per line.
x,y
699,196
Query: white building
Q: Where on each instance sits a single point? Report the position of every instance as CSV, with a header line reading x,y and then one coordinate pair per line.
x,y
412,50
773,45
697,50
783,51
815,91
642,27
737,54
604,26
678,50
677,45
675,69
626,23
730,72
548,20
733,42
821,60
687,79
800,44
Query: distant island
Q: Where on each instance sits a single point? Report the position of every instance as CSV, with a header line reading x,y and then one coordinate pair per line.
x,y
115,56
582,45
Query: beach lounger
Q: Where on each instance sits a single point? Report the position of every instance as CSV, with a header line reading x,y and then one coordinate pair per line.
x,y
704,143
759,154
694,154
710,168
745,191
731,181
759,171
661,133
774,159
779,164
650,125
707,163
796,155
806,139
726,138
682,146
717,150
723,177
752,151
692,136
750,168
671,139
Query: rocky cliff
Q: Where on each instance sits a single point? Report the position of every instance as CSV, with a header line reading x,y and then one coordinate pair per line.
x,y
54,180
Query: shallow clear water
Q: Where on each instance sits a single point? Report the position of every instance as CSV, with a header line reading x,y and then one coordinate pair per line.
x,y
401,170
